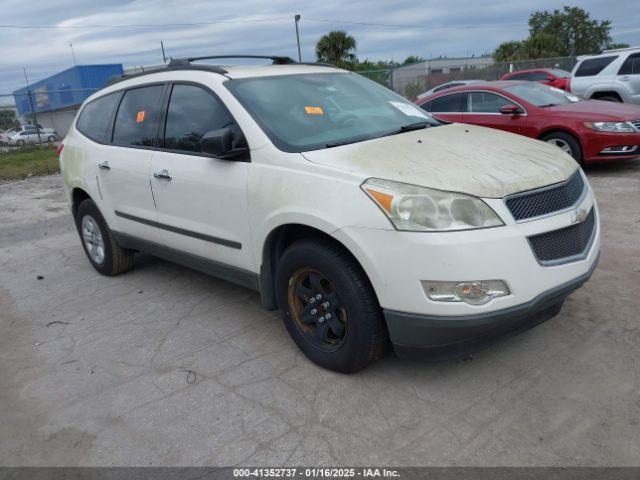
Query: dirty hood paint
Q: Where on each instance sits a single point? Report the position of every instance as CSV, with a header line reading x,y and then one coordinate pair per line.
x,y
460,158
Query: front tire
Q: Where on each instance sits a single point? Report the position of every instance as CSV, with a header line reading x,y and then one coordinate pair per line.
x,y
101,248
565,142
329,306
51,139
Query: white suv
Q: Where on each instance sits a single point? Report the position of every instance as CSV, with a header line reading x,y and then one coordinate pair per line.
x,y
613,75
351,210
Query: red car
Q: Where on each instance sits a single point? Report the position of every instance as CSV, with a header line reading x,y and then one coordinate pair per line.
x,y
554,77
589,130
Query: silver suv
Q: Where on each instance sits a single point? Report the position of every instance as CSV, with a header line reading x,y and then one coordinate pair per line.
x,y
614,75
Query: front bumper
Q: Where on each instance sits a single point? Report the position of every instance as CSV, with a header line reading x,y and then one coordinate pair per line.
x,y
595,142
437,338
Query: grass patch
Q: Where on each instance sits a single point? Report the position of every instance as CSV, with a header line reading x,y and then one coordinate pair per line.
x,y
23,163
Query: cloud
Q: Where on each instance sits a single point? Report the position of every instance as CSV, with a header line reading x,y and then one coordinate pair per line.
x,y
46,51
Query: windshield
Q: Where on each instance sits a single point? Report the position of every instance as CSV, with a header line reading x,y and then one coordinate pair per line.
x,y
312,111
541,95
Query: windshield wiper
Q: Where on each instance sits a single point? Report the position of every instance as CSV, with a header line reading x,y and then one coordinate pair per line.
x,y
404,128
409,128
346,142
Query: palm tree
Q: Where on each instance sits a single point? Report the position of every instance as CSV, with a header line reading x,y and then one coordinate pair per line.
x,y
337,48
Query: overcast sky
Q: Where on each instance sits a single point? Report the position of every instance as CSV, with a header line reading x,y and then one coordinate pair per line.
x,y
265,27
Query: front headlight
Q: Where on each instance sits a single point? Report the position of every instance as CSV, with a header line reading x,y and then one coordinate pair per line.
x,y
420,209
612,127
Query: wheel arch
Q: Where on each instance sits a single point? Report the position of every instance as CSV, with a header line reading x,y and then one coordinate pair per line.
x,y
565,130
274,246
78,195
605,93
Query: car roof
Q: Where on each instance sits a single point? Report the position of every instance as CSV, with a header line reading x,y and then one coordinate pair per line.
x,y
494,86
529,70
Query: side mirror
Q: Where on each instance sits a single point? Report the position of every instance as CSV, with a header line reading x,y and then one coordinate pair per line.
x,y
511,110
220,143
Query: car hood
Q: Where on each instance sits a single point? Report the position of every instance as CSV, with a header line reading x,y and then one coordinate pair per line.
x,y
595,110
460,158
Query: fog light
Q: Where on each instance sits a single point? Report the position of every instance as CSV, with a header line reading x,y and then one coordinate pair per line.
x,y
474,293
620,149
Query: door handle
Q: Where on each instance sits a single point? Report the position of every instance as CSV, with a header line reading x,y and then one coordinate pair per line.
x,y
625,78
163,174
104,165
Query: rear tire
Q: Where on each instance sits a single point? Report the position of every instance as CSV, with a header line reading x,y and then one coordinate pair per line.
x,y
102,250
338,325
51,139
566,143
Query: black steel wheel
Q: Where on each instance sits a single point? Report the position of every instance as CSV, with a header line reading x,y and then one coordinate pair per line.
x,y
329,306
316,309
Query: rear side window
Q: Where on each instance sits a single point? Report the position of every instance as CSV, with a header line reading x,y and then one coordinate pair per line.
x,y
484,102
192,113
631,65
448,103
594,66
539,76
137,119
96,116
520,76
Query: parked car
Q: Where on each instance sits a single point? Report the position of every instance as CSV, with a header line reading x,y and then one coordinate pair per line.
x,y
613,76
445,86
4,136
351,210
33,135
588,130
554,77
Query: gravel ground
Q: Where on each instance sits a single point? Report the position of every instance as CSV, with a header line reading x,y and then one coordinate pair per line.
x,y
166,366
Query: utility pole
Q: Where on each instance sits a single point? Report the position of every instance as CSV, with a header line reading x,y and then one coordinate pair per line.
x,y
297,19
73,54
164,57
33,110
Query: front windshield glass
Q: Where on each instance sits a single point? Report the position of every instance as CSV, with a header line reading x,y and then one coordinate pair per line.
x,y
541,95
312,111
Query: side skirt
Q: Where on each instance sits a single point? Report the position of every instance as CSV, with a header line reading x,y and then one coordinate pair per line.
x,y
231,274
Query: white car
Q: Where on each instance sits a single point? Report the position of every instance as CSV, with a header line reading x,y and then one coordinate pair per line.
x,y
358,215
447,85
32,135
614,75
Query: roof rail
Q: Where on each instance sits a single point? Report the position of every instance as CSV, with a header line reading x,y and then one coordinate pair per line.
x,y
621,49
277,60
186,64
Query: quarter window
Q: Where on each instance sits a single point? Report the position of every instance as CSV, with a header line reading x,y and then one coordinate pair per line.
x,y
137,118
594,66
631,65
483,102
96,116
191,114
448,103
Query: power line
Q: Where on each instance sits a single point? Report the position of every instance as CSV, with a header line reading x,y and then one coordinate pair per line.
x,y
143,25
277,19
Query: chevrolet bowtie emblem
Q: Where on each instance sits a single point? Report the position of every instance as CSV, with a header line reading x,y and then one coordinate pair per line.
x,y
579,215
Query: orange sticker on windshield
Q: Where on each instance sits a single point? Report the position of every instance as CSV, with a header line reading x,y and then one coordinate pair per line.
x,y
314,110
140,117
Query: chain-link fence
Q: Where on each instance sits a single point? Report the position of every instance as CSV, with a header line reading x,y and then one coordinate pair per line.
x,y
411,80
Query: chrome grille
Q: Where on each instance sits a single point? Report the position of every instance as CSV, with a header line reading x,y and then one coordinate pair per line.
x,y
561,245
544,201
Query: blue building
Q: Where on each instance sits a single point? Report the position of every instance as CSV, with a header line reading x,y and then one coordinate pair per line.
x,y
55,100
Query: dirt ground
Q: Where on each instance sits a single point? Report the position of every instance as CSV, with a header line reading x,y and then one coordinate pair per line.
x,y
166,366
